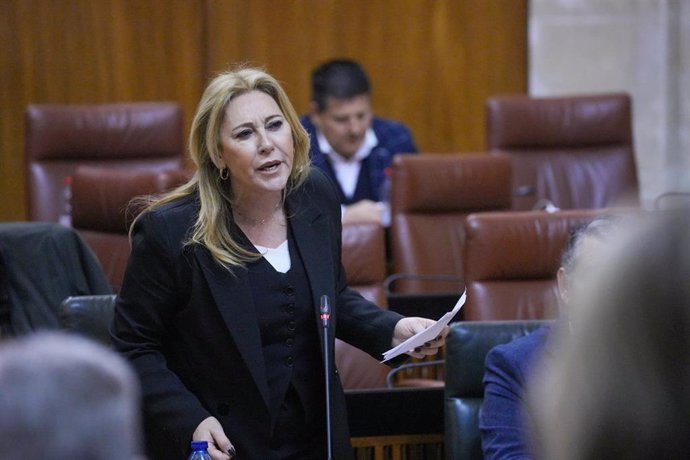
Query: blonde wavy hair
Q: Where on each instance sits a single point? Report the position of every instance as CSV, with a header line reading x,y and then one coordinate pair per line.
x,y
211,228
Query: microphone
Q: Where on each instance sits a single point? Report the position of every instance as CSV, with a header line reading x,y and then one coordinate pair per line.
x,y
325,310
325,316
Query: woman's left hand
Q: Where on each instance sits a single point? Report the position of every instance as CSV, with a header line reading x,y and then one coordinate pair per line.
x,y
407,327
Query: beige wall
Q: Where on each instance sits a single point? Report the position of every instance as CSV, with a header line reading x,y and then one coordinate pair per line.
x,y
432,62
638,46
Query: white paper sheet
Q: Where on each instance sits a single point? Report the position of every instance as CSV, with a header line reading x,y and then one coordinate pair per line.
x,y
427,334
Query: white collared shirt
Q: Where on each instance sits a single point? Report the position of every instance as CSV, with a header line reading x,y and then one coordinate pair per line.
x,y
347,169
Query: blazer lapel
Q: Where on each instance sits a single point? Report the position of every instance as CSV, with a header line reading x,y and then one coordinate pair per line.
x,y
309,226
233,297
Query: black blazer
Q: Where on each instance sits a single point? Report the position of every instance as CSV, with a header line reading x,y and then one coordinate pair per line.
x,y
188,325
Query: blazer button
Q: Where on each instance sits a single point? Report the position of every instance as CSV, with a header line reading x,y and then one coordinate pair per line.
x,y
289,360
289,341
291,325
291,309
289,290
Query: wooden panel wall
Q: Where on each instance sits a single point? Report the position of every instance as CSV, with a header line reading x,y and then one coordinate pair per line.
x,y
432,62
84,51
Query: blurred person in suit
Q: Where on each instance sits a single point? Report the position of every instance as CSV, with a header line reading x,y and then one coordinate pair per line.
x,y
66,397
219,308
349,143
504,423
619,389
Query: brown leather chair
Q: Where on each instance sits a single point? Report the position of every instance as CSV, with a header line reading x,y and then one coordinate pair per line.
x,y
101,211
431,195
511,261
60,137
575,151
364,259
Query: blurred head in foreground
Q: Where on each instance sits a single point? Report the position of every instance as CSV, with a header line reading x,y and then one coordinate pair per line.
x,y
620,387
64,397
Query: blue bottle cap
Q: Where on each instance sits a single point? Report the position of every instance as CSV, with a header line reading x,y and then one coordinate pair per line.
x,y
199,445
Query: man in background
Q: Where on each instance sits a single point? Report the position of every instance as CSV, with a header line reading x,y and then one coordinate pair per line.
x,y
504,423
348,142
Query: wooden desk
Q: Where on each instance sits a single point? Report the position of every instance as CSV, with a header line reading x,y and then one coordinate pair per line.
x,y
396,424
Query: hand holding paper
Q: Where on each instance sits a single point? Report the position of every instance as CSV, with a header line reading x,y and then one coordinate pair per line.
x,y
427,335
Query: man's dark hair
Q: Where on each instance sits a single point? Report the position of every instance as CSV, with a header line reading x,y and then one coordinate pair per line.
x,y
339,79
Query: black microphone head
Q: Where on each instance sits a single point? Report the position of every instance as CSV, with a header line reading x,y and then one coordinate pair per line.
x,y
325,304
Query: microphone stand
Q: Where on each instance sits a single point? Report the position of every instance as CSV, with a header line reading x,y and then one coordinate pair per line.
x,y
325,316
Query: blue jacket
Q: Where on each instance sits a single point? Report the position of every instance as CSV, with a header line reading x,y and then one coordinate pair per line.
x,y
394,137
502,420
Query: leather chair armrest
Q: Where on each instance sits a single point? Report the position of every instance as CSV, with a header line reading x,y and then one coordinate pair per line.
x,y
467,345
88,315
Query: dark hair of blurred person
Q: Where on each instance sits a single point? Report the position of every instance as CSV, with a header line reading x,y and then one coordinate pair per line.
x,y
619,389
65,397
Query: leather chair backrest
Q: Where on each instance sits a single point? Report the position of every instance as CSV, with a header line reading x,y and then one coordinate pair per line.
x,y
511,261
357,369
364,259
467,345
101,210
575,151
60,137
431,195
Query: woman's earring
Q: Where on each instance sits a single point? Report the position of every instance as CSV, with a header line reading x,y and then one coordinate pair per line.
x,y
224,173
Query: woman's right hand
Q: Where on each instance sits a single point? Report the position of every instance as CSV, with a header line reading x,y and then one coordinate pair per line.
x,y
219,446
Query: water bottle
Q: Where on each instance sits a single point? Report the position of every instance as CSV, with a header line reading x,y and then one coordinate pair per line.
x,y
65,217
199,451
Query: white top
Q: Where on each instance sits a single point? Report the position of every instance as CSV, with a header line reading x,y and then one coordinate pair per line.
x,y
347,169
278,257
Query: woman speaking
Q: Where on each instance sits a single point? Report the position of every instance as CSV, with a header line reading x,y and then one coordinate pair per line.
x,y
219,309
